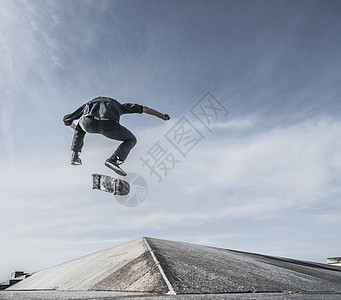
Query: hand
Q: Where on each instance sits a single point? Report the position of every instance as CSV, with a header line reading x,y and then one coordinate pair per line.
x,y
73,126
165,117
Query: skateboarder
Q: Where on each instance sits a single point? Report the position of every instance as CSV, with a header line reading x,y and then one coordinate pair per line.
x,y
102,115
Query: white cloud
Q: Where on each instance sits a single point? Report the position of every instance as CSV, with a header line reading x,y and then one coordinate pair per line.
x,y
329,218
237,124
299,161
259,175
29,56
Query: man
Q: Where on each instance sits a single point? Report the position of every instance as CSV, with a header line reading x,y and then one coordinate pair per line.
x,y
102,115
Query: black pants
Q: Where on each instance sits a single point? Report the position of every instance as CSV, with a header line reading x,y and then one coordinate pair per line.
x,y
108,128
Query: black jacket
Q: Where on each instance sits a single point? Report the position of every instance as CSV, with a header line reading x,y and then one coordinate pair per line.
x,y
103,107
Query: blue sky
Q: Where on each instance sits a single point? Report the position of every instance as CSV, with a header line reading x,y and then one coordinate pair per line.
x,y
265,178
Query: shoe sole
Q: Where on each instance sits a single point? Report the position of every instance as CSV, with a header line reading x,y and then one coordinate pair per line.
x,y
118,170
73,163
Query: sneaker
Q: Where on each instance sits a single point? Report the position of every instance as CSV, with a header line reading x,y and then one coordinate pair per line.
x,y
113,164
75,160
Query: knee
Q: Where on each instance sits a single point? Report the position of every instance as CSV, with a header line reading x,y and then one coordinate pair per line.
x,y
133,141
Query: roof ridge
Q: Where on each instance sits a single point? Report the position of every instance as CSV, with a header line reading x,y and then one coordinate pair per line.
x,y
169,285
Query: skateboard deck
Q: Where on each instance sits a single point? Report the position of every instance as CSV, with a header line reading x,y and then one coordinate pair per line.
x,y
110,184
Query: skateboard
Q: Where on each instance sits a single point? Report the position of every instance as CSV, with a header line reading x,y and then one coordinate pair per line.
x,y
110,184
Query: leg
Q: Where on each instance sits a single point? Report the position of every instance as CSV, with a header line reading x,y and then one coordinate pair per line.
x,y
77,145
84,125
117,132
78,139
120,133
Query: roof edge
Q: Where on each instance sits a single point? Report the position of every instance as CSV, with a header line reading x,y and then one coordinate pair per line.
x,y
171,290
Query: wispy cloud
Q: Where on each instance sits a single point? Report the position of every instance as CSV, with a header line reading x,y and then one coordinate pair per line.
x,y
28,55
7,64
259,176
6,118
262,174
237,124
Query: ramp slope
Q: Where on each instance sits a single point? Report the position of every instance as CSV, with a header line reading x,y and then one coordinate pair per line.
x,y
161,266
200,269
128,267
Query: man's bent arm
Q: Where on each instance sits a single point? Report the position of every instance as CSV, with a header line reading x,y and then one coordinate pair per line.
x,y
153,112
68,119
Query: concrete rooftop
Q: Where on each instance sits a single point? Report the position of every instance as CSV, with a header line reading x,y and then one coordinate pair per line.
x,y
149,265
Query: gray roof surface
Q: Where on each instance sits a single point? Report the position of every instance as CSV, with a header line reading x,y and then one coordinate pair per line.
x,y
149,265
200,269
87,295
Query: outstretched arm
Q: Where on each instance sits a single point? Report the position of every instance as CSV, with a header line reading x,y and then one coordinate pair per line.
x,y
155,113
